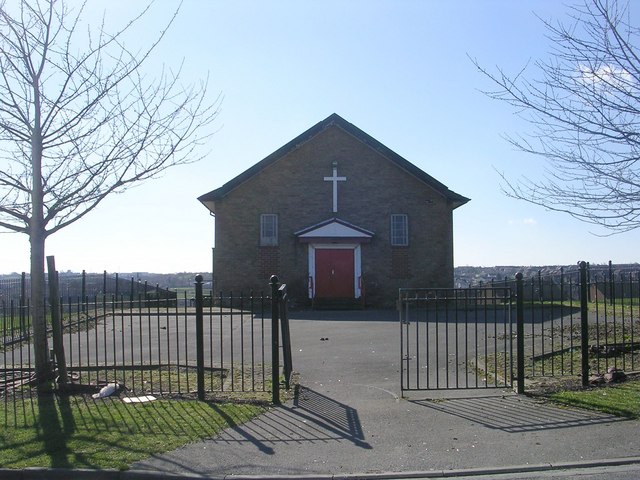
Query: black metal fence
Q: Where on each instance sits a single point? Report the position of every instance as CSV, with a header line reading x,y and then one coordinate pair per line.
x,y
453,338
578,323
183,345
582,322
84,285
83,291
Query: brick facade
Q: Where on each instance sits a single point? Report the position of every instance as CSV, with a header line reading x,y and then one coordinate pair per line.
x,y
292,186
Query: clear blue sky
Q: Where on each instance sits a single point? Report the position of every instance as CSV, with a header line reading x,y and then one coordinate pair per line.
x,y
399,70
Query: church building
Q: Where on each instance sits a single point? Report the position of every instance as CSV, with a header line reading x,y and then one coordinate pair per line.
x,y
339,217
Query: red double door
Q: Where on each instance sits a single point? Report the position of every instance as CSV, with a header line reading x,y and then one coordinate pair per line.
x,y
335,272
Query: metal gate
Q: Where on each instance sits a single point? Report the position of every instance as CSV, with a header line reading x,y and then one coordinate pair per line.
x,y
456,338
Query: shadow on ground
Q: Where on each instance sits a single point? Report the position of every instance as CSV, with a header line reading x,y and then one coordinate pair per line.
x,y
312,418
514,414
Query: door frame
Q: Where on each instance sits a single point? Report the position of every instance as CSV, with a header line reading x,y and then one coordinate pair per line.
x,y
357,264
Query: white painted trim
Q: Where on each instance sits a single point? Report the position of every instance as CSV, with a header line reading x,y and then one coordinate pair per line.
x,y
357,263
309,231
311,260
335,230
357,270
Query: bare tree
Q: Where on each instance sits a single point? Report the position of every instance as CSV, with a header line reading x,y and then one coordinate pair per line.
x,y
80,120
584,106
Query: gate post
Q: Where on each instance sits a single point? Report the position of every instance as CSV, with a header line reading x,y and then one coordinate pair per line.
x,y
56,320
275,346
287,367
199,338
584,324
520,332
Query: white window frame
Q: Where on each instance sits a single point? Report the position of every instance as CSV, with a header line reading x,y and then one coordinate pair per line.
x,y
268,230
399,238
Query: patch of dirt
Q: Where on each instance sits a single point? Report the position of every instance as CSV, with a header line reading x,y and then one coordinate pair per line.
x,y
548,385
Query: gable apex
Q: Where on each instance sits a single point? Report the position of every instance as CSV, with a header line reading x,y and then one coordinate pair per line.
x,y
209,199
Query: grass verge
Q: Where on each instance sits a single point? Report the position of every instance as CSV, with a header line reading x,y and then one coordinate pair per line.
x,y
621,399
80,432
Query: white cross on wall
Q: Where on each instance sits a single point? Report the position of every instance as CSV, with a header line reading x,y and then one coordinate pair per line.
x,y
335,179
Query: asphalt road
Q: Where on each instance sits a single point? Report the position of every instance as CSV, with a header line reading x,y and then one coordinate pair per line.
x,y
350,418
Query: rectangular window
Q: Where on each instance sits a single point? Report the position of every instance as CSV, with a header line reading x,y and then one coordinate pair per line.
x,y
399,230
268,230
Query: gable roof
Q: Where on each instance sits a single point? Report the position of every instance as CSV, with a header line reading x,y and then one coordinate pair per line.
x,y
208,199
334,228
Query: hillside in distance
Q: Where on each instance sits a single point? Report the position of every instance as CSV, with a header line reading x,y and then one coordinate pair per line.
x,y
464,276
474,276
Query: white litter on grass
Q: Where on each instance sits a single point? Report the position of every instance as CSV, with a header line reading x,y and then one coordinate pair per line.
x,y
106,391
142,399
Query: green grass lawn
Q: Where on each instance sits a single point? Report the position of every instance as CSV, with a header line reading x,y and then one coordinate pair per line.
x,y
622,399
79,432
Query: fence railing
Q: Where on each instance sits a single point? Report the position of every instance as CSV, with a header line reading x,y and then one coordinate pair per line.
x,y
183,345
582,323
456,338
554,306
83,285
577,323
82,290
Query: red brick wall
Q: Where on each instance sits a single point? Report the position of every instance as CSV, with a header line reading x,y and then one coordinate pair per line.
x,y
293,188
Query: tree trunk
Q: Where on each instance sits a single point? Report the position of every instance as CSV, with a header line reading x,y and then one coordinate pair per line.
x,y
38,313
37,236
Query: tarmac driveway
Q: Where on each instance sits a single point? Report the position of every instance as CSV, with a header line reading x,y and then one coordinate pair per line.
x,y
349,417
